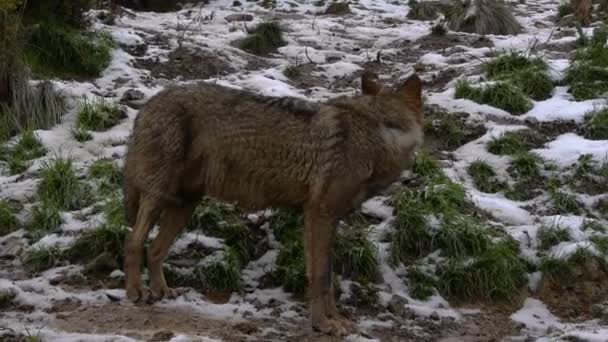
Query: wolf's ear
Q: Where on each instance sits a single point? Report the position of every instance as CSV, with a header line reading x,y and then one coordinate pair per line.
x,y
369,83
411,92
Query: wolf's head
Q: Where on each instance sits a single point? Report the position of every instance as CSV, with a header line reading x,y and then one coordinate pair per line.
x,y
406,97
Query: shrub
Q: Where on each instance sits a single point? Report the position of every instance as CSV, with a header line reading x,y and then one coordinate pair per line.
x,y
60,186
99,115
264,39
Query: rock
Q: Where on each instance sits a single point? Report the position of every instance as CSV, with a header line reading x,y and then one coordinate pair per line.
x,y
600,310
163,335
11,248
238,17
257,304
236,3
397,306
338,8
132,94
246,328
435,316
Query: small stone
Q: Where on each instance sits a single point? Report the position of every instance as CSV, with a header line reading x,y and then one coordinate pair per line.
x,y
397,305
257,304
238,17
132,95
338,8
435,316
236,3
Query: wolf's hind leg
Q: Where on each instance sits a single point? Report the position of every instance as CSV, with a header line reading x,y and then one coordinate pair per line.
x,y
147,215
172,222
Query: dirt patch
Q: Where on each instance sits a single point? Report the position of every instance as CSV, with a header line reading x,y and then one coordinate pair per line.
x,y
188,64
572,299
551,130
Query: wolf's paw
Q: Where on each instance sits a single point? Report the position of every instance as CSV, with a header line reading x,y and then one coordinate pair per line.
x,y
139,294
161,292
335,327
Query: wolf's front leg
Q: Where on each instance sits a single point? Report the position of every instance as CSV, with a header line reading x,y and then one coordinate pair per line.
x,y
320,233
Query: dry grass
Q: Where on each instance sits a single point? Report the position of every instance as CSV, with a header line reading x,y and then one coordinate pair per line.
x,y
484,17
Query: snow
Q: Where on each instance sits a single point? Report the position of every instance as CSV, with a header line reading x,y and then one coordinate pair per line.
x,y
561,106
567,148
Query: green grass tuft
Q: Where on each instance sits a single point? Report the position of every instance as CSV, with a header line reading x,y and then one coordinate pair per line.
x,y
444,196
221,273
497,274
421,285
423,10
42,258
7,296
507,143
447,129
60,186
596,125
412,238
19,156
462,236
484,177
55,51
564,9
564,203
107,240
425,165
501,95
81,135
108,175
98,115
355,256
264,39
290,269
551,236
45,218
439,30
292,71
114,211
287,225
8,220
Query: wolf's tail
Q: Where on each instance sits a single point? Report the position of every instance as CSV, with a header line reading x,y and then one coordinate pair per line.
x,y
131,195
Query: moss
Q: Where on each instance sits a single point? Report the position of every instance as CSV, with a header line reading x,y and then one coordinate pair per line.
x,y
264,39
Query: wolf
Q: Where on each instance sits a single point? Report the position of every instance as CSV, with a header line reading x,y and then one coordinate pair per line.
x,y
325,159
582,11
